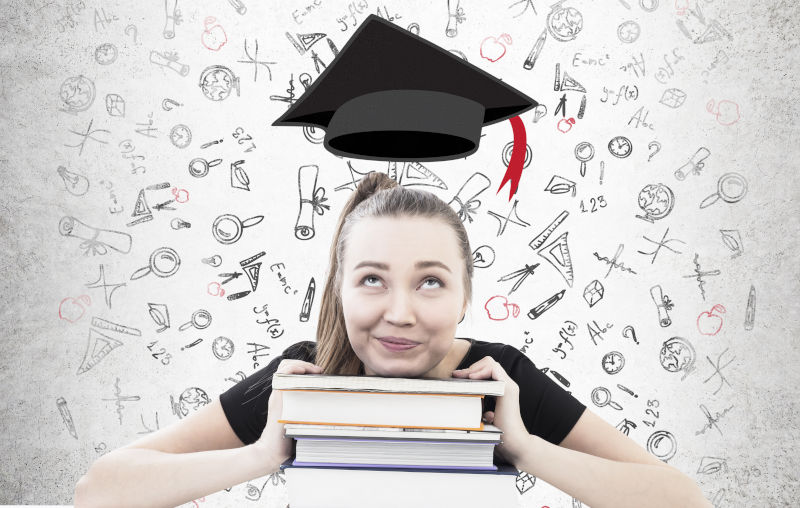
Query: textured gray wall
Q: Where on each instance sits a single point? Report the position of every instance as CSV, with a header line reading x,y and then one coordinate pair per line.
x,y
85,130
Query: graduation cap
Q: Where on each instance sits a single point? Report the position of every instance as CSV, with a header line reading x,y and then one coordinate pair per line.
x,y
391,95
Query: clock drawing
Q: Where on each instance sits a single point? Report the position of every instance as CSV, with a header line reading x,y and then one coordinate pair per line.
x,y
180,135
105,54
620,146
222,347
613,362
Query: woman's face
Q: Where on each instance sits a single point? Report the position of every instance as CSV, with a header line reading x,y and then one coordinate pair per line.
x,y
388,289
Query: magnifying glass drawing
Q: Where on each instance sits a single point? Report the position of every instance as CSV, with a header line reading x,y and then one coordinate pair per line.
x,y
200,320
167,257
227,228
584,151
198,167
602,397
731,187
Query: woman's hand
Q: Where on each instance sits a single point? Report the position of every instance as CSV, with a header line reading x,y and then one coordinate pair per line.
x,y
273,442
506,414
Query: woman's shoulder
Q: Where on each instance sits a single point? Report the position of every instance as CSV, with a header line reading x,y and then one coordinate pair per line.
x,y
305,350
506,354
490,348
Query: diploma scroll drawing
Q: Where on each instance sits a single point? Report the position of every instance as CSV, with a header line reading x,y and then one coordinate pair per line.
x,y
95,239
663,304
307,184
476,184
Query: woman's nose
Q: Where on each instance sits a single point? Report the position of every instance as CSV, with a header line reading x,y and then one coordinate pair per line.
x,y
400,309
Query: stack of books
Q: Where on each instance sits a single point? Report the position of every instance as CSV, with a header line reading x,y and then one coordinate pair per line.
x,y
369,441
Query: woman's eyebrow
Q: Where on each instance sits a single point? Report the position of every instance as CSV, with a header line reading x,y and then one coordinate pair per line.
x,y
419,265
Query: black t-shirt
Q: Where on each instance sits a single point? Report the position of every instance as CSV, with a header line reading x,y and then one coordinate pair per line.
x,y
547,410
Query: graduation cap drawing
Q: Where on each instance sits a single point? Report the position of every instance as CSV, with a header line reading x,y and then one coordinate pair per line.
x,y
391,95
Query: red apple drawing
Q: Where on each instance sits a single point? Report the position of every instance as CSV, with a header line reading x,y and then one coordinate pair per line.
x,y
71,309
565,124
727,112
213,37
497,308
214,289
492,49
709,323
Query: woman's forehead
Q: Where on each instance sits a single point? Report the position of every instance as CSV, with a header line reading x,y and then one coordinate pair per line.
x,y
400,243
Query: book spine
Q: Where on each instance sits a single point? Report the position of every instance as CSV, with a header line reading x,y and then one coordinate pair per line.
x,y
379,425
392,466
382,393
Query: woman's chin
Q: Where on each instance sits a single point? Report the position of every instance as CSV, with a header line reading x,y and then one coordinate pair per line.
x,y
398,370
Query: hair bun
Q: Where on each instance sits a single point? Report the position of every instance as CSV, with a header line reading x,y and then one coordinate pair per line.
x,y
373,182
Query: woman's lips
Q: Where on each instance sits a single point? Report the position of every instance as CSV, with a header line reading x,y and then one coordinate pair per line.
x,y
396,347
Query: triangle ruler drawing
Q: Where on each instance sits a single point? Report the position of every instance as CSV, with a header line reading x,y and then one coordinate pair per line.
x,y
546,232
570,83
252,272
141,208
98,347
306,41
714,32
414,173
557,254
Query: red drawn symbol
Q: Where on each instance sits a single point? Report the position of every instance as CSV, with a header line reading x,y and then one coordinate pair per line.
x,y
493,49
72,309
497,307
215,289
213,37
708,322
725,111
180,195
565,124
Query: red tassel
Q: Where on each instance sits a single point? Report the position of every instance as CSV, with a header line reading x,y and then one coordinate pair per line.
x,y
514,169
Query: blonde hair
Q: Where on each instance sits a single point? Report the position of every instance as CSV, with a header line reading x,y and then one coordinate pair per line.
x,y
377,195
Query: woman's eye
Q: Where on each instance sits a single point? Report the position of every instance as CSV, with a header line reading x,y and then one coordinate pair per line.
x,y
368,277
429,279
434,279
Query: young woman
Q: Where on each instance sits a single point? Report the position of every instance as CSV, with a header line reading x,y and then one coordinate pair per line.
x,y
400,272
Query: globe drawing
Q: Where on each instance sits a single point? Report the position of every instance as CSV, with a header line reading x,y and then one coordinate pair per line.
x,y
656,200
677,354
76,93
191,400
564,23
217,81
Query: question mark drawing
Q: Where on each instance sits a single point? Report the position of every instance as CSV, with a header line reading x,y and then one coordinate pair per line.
x,y
629,333
657,146
135,32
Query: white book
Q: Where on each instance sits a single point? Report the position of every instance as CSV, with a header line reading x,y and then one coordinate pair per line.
x,y
343,487
375,409
393,446
371,452
463,386
490,433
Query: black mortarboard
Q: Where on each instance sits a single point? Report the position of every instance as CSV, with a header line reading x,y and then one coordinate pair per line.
x,y
392,95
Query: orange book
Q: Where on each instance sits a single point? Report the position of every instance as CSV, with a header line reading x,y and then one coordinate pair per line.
x,y
374,401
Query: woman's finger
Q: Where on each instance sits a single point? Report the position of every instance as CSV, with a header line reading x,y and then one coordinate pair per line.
x,y
481,372
298,367
486,360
